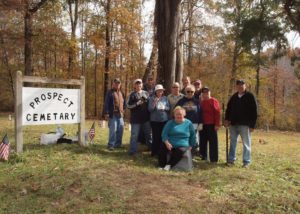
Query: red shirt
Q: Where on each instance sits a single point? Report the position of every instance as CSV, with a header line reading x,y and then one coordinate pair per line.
x,y
211,111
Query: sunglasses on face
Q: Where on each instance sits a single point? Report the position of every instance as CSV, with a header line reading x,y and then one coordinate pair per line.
x,y
189,92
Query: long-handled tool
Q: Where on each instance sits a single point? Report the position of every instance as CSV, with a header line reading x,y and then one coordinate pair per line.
x,y
227,144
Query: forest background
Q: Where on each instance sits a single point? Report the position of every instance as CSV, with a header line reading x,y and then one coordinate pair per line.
x,y
216,41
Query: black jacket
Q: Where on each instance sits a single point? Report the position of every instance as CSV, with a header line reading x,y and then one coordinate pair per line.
x,y
242,111
138,105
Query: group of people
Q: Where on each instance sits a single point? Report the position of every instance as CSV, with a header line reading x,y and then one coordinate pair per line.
x,y
186,119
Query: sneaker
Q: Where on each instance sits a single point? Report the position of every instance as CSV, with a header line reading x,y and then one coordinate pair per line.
x,y
246,165
230,163
167,167
118,147
110,148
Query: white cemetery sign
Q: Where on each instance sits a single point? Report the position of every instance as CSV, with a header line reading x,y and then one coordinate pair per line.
x,y
50,106
39,106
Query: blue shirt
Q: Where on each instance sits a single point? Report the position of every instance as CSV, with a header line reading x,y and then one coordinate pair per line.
x,y
159,110
192,108
179,134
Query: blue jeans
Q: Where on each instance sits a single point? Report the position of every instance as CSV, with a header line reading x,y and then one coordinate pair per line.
x,y
116,128
135,129
244,132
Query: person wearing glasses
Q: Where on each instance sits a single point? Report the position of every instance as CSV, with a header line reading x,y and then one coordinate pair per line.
x,y
193,111
174,96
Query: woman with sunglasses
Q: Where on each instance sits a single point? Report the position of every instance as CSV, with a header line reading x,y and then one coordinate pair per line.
x,y
193,110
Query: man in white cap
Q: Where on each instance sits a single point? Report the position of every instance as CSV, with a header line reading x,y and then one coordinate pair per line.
x,y
139,117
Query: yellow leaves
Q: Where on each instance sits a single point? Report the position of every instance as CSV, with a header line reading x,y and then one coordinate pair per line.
x,y
127,19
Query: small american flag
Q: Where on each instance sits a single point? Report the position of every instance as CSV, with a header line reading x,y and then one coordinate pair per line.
x,y
92,132
4,148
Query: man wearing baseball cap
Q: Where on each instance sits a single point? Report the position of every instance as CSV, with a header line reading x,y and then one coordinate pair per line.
x,y
114,106
139,117
241,116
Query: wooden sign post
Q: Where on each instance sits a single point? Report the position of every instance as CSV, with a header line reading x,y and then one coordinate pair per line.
x,y
48,97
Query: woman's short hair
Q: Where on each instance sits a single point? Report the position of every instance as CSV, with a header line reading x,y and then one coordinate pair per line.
x,y
179,108
189,87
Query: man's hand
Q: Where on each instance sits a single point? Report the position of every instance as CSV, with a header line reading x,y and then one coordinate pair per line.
x,y
226,123
140,102
106,116
217,128
200,127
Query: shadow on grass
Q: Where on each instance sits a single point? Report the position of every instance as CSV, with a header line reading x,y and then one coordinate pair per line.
x,y
143,158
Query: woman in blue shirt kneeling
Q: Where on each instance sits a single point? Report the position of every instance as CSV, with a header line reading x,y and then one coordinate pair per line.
x,y
178,136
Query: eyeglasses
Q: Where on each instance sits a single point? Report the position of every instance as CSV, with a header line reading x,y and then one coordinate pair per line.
x,y
189,92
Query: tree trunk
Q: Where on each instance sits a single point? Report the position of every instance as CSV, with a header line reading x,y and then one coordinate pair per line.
x,y
190,31
108,49
6,63
233,68
179,52
29,11
151,63
28,43
95,83
257,88
73,13
236,49
168,17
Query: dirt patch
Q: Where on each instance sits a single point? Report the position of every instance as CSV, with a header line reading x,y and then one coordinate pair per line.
x,y
149,193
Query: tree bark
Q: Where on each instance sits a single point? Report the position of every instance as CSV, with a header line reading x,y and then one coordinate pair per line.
x,y
108,49
190,31
6,62
236,49
179,52
151,63
73,13
95,82
168,17
28,43
29,11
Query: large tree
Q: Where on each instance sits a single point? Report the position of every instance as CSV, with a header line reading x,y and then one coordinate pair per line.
x,y
167,23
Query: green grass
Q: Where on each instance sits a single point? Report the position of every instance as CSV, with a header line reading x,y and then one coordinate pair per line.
x,y
74,179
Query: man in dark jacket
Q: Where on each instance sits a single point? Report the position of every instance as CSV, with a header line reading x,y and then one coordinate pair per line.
x,y
114,111
140,116
241,115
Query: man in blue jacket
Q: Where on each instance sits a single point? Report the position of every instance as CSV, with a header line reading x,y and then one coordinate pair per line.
x,y
241,115
114,111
